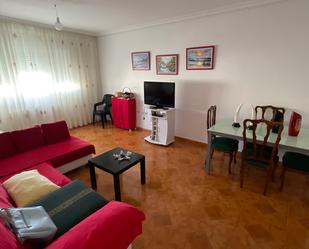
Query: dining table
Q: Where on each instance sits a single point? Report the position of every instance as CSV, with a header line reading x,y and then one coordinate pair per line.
x,y
224,128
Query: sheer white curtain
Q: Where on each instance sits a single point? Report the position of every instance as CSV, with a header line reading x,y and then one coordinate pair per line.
x,y
46,75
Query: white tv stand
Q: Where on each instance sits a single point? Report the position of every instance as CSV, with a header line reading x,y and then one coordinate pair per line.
x,y
163,126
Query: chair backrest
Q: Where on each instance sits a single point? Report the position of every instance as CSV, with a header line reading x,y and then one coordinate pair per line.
x,y
211,116
266,108
107,99
259,150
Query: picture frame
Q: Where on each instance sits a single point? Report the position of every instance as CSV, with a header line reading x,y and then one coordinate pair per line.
x,y
200,58
140,61
167,64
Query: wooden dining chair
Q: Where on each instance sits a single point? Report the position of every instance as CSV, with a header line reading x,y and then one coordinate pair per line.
x,y
223,144
277,113
294,161
263,109
257,153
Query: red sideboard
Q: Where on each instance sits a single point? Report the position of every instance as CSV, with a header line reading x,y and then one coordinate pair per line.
x,y
124,113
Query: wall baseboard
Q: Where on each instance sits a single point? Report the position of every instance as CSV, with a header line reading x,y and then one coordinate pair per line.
x,y
177,137
191,141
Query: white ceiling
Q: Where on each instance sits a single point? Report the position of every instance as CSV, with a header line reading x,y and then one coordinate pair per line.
x,y
108,16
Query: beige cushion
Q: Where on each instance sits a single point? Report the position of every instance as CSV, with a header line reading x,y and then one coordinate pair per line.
x,y
28,186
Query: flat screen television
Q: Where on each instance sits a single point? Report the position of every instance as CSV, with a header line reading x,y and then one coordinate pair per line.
x,y
159,94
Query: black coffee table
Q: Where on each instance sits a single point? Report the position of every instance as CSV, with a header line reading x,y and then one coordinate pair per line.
x,y
109,164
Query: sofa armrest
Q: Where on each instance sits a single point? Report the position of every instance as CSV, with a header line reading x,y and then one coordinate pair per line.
x,y
114,226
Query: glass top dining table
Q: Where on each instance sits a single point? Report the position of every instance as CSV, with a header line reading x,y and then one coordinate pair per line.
x,y
224,128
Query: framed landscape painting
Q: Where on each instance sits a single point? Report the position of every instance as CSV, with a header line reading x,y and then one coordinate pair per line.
x,y
140,60
167,64
200,58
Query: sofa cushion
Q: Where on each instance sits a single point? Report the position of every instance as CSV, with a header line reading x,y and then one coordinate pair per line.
x,y
114,226
52,174
28,186
27,139
7,147
48,171
55,132
5,200
68,151
8,239
57,154
70,204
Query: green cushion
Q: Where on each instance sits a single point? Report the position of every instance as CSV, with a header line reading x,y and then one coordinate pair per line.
x,y
296,161
70,204
225,144
259,163
268,149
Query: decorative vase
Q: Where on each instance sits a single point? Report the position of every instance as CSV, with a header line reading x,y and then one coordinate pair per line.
x,y
236,117
295,124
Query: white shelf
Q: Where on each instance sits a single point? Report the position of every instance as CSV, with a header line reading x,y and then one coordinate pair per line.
x,y
163,126
150,140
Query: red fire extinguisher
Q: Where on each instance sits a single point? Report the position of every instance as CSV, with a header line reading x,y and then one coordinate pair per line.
x,y
295,124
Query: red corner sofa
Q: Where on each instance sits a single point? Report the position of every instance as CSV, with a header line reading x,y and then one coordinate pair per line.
x,y
51,143
48,148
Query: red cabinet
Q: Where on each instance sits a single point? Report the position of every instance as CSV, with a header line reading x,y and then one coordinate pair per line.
x,y
124,113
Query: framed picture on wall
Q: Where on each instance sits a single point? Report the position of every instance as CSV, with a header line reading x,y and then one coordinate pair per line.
x,y
200,58
167,64
140,60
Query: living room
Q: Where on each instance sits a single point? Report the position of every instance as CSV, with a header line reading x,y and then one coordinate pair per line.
x,y
59,58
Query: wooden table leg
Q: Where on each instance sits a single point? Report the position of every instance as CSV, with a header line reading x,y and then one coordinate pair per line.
x,y
208,156
143,171
117,188
92,176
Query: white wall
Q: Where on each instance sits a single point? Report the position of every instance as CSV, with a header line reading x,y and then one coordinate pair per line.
x,y
262,58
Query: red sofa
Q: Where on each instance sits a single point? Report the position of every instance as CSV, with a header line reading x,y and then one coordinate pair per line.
x,y
51,143
48,146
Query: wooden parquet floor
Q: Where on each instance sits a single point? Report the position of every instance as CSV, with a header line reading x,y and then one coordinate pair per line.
x,y
187,209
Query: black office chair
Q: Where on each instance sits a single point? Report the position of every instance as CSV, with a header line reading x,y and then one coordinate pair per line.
x,y
103,111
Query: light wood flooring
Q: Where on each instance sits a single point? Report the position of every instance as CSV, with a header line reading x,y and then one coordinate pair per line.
x,y
187,209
